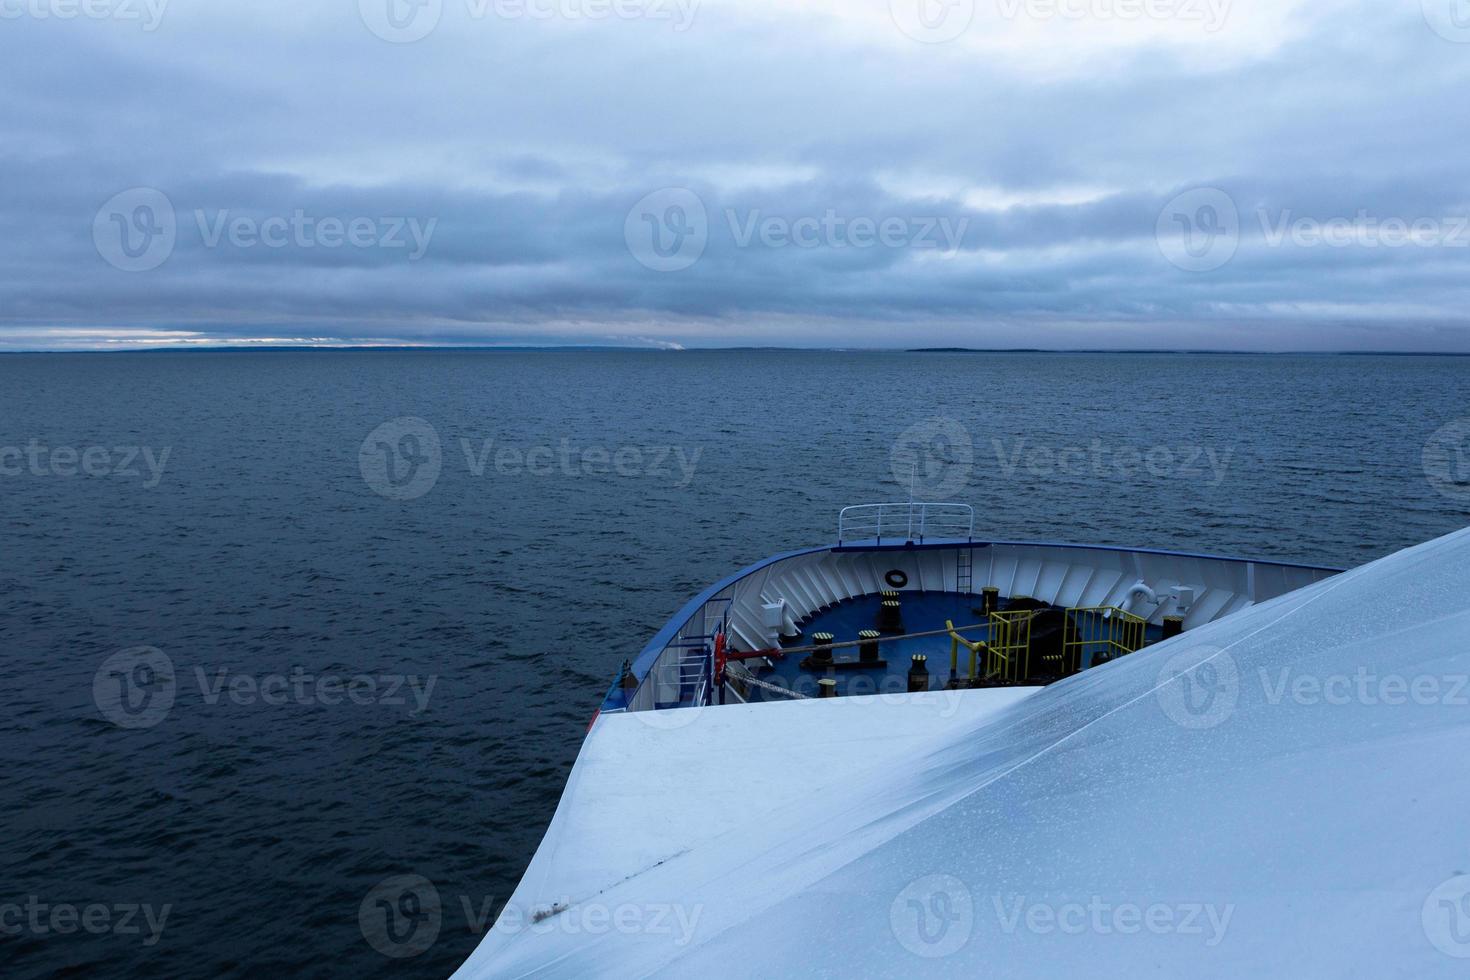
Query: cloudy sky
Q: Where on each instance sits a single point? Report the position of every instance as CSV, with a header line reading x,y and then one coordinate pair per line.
x,y
1235,174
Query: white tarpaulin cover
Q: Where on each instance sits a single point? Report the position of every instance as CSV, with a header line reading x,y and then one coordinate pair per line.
x,y
1285,793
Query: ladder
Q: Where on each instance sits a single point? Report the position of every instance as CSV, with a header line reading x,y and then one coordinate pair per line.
x,y
964,566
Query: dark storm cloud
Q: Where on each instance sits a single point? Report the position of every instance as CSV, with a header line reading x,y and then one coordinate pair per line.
x,y
491,182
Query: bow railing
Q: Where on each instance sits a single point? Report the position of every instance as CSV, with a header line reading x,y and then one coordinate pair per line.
x,y
906,522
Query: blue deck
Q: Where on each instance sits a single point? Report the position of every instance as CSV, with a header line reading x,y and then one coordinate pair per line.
x,y
922,611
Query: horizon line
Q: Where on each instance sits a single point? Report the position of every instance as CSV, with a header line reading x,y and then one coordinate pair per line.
x,y
736,348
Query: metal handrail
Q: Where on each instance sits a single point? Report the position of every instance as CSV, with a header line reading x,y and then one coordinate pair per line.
x,y
947,520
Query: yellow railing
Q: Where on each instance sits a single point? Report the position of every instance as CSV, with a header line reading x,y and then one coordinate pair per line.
x,y
1100,633
976,647
1010,646
1091,635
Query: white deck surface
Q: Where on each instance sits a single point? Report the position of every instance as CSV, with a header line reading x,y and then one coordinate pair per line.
x,y
1284,793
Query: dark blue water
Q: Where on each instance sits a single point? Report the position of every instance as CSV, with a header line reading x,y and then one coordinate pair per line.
x,y
269,560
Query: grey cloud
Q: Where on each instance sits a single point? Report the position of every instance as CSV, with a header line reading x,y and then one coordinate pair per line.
x,y
526,148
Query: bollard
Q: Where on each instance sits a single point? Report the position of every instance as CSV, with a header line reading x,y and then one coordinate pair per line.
x,y
890,616
828,687
868,651
989,600
822,655
919,674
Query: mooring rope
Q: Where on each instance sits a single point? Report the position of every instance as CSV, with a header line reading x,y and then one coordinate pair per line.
x,y
747,677
781,652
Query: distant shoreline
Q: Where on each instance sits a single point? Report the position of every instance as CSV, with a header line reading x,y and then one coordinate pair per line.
x,y
589,349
